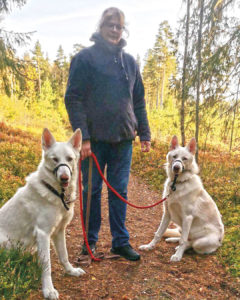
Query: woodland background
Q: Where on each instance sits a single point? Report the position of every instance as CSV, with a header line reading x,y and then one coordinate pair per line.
x,y
192,88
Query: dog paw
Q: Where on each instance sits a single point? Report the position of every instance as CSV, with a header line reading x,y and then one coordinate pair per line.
x,y
50,293
76,272
175,257
146,247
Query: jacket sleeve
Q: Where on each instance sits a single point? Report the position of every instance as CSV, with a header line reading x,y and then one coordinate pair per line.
x,y
140,108
76,94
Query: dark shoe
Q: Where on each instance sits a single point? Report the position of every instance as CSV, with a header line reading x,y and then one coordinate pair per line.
x,y
127,252
92,247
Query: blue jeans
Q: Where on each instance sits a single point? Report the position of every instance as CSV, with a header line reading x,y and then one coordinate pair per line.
x,y
117,157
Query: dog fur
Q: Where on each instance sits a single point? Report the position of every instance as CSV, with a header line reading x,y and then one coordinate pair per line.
x,y
34,215
190,207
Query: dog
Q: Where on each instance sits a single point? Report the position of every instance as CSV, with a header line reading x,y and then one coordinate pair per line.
x,y
42,209
188,205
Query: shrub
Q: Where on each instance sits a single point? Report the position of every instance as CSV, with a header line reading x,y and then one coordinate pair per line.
x,y
20,153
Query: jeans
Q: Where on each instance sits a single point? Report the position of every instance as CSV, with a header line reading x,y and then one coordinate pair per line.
x,y
117,157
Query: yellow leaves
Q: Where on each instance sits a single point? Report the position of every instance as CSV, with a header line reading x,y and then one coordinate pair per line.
x,y
32,115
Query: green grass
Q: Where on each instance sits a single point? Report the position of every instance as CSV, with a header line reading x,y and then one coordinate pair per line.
x,y
20,273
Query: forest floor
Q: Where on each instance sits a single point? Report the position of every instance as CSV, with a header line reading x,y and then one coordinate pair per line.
x,y
154,276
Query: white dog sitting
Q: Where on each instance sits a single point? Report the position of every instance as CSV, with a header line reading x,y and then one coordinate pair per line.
x,y
188,205
42,209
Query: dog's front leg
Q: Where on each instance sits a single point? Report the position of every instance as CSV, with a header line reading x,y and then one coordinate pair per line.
x,y
159,233
43,243
60,246
184,244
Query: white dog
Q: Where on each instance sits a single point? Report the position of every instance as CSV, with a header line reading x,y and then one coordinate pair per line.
x,y
42,209
188,205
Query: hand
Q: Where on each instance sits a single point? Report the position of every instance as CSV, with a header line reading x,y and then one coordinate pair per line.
x,y
145,146
86,150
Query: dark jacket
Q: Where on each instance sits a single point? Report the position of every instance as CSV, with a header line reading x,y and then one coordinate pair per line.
x,y
105,94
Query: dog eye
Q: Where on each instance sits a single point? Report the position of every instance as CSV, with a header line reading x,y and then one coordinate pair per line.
x,y
174,156
56,159
184,158
69,158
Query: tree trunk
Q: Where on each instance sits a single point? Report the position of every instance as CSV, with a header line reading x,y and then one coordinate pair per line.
x,y
39,77
184,75
199,59
234,118
157,97
162,88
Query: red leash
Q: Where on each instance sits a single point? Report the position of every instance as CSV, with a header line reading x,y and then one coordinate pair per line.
x,y
113,190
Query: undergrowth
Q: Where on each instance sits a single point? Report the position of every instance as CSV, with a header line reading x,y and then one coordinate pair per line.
x,y
219,172
20,273
34,118
20,153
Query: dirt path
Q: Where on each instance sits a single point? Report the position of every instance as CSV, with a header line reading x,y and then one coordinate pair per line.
x,y
153,277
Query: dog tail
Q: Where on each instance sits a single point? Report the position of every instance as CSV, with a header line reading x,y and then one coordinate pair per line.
x,y
172,232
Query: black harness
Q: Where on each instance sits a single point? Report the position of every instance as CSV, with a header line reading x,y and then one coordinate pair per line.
x,y
55,192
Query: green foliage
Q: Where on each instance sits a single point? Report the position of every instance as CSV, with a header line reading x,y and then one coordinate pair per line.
x,y
20,274
159,68
221,177
11,67
218,110
20,153
36,115
36,98
161,129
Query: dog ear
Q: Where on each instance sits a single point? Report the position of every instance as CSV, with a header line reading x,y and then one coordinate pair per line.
x,y
76,139
192,146
174,143
47,139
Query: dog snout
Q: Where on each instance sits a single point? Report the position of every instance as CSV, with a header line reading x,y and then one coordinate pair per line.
x,y
64,178
176,168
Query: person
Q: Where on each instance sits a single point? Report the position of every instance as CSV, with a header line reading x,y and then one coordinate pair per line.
x,y
105,99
